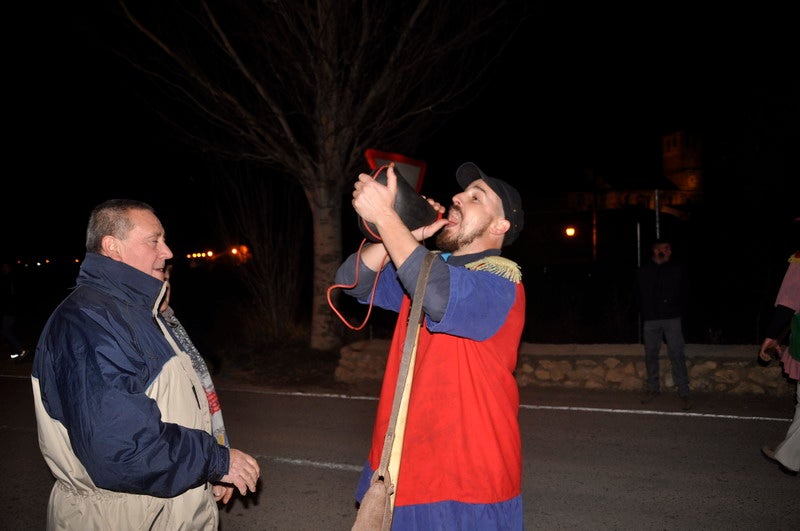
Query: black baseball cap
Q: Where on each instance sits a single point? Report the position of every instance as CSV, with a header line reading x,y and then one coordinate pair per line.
x,y
512,202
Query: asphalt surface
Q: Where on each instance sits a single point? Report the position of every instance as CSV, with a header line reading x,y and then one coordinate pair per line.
x,y
593,460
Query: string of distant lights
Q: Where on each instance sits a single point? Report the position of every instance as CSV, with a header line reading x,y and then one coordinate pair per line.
x,y
239,253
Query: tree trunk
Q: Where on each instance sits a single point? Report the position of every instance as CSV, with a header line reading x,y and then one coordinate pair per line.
x,y
327,221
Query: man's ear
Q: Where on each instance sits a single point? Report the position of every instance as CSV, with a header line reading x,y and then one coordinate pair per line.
x,y
110,246
500,226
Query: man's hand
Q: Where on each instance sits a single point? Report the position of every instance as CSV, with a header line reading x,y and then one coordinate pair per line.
x,y
243,472
371,199
429,230
222,493
374,202
770,349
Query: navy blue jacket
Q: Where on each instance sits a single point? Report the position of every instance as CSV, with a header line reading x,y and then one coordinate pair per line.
x,y
109,372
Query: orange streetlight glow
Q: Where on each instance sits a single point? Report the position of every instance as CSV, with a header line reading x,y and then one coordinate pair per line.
x,y
241,253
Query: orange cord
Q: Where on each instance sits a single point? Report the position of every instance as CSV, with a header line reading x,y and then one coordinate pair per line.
x,y
371,297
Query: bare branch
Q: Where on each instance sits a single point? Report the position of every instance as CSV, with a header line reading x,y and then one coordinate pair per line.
x,y
304,87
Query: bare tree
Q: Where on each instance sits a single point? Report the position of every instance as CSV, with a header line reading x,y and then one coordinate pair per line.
x,y
304,87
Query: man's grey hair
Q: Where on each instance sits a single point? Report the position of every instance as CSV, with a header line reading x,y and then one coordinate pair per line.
x,y
110,218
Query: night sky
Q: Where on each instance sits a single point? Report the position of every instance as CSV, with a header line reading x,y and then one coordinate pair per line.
x,y
579,88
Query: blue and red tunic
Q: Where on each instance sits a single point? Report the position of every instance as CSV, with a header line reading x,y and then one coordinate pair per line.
x,y
461,464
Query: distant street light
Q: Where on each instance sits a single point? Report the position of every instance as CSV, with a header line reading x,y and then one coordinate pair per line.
x,y
570,231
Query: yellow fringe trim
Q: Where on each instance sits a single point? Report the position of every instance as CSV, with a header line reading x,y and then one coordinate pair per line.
x,y
498,265
794,258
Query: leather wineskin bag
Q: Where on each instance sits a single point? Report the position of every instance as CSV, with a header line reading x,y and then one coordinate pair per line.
x,y
413,209
375,510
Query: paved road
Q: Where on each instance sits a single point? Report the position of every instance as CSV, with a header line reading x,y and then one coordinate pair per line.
x,y
592,460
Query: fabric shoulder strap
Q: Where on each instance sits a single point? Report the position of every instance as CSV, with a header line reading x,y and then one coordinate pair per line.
x,y
404,377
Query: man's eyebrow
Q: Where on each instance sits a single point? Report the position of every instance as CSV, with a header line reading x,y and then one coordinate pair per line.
x,y
480,188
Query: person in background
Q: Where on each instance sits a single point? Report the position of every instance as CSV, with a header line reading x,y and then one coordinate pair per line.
x,y
9,304
663,291
461,465
785,322
122,421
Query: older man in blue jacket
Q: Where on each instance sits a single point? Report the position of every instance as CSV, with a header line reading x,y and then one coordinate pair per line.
x,y
123,423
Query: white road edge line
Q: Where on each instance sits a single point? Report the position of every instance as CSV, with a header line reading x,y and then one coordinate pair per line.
x,y
522,406
651,412
313,464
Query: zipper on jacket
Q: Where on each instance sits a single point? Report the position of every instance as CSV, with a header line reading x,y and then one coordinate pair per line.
x,y
195,396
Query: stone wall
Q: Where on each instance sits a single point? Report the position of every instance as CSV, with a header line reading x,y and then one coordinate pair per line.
x,y
712,368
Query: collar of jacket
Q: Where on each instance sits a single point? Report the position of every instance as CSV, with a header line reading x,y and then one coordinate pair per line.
x,y
119,280
465,259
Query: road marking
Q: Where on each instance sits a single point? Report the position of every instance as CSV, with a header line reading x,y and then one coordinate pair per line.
x,y
260,391
525,406
651,412
313,464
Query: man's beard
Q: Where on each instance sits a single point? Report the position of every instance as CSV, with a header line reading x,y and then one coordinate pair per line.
x,y
451,244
